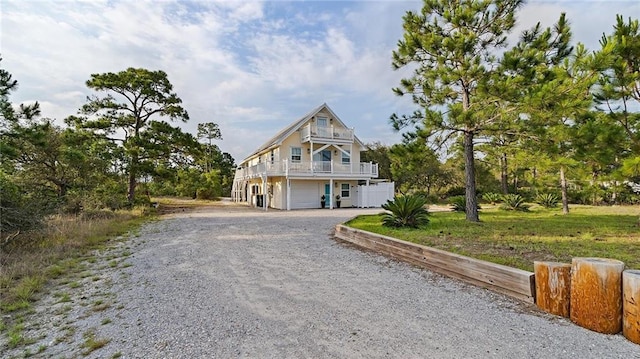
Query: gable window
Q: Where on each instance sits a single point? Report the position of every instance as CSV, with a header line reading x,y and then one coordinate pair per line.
x,y
296,154
321,122
346,157
345,190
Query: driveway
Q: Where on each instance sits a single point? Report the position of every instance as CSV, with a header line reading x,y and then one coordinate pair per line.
x,y
235,282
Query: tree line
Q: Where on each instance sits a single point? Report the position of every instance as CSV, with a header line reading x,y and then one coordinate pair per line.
x,y
120,148
544,115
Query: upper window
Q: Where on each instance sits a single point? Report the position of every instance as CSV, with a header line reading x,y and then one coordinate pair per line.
x,y
346,157
321,122
345,190
296,154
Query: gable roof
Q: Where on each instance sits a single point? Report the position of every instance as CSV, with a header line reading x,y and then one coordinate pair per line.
x,y
277,140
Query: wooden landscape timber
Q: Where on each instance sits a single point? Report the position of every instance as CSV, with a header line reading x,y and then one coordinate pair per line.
x,y
631,305
596,294
514,282
553,287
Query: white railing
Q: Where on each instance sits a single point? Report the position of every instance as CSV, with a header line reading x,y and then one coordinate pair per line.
x,y
287,168
309,132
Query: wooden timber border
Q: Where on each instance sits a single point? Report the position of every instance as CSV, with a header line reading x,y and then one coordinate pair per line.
x,y
513,282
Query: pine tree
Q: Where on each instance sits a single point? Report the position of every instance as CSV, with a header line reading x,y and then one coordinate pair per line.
x,y
452,46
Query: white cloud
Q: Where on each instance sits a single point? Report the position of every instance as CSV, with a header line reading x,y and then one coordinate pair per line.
x,y
253,67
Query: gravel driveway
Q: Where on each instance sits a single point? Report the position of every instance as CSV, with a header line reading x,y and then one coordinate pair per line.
x,y
235,282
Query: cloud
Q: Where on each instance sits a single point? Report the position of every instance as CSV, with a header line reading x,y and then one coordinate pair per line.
x,y
252,67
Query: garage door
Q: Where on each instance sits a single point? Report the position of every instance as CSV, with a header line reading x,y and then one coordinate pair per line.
x,y
305,194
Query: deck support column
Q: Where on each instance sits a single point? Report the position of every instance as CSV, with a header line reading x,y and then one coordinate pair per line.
x,y
288,194
331,193
265,196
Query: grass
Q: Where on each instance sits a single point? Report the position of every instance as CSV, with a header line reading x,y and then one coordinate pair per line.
x,y
91,342
517,239
168,205
55,251
63,297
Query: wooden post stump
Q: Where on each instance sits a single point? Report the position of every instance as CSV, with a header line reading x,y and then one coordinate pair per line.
x,y
631,305
553,287
596,294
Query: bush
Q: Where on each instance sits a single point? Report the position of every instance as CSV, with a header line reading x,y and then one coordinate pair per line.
x,y
458,203
492,197
19,212
206,193
514,202
455,191
547,200
406,211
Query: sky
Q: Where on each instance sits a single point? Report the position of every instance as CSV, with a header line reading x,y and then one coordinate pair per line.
x,y
252,67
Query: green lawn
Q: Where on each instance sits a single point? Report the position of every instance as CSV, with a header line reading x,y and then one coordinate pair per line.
x,y
517,239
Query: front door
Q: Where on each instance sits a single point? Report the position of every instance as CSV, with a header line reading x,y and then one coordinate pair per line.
x,y
327,192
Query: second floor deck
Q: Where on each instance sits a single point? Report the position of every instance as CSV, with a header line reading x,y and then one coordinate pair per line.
x,y
323,134
288,168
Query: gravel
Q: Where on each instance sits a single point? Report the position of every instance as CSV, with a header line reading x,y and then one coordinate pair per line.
x,y
233,282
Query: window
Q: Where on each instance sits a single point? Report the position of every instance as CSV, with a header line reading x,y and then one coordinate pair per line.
x,y
296,154
345,190
346,157
321,122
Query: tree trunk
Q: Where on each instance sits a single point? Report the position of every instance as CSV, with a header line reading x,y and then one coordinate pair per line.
x,y
563,189
131,190
504,180
594,181
470,178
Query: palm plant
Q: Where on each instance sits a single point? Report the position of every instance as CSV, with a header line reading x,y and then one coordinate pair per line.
x,y
406,211
547,200
492,197
514,202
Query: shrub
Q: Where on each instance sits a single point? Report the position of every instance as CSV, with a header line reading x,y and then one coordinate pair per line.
x,y
455,191
492,197
547,200
514,202
406,211
19,212
458,203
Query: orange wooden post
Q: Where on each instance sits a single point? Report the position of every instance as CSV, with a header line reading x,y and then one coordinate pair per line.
x,y
596,294
553,287
631,305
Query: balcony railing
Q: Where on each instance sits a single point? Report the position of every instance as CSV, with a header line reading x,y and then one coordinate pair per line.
x,y
308,168
318,133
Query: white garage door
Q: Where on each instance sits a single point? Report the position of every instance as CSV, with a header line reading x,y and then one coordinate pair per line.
x,y
305,194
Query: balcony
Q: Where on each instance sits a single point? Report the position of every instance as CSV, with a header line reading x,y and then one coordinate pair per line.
x,y
309,169
325,134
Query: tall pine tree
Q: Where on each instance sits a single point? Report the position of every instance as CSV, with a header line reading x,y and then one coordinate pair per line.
x,y
452,45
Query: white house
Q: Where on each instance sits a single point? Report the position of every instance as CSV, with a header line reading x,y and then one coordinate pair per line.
x,y
312,163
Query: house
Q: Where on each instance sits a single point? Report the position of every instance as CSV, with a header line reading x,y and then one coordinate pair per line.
x,y
312,163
